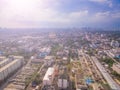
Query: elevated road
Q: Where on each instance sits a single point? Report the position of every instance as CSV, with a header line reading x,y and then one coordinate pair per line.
x,y
108,78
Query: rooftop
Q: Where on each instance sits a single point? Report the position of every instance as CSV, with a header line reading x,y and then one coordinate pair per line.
x,y
48,57
48,73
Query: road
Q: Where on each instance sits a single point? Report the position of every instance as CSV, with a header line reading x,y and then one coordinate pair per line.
x,y
41,68
110,81
111,57
29,87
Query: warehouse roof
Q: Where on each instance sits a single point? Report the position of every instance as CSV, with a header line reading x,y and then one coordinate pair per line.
x,y
6,66
48,73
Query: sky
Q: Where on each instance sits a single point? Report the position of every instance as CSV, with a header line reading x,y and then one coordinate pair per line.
x,y
59,13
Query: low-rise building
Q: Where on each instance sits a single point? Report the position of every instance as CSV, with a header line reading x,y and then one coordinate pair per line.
x,y
9,68
49,60
116,67
2,58
49,76
62,83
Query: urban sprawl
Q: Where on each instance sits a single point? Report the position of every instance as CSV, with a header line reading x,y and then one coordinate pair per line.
x,y
60,60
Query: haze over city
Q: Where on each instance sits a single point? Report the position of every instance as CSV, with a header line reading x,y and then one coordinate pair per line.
x,y
59,44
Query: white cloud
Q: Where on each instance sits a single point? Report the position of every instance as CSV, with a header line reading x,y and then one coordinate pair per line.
x,y
116,15
101,17
99,1
78,14
108,2
16,11
35,13
108,14
102,14
105,17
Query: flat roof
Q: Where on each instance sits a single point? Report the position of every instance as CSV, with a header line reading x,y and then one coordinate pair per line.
x,y
2,57
4,61
48,73
10,89
48,57
6,66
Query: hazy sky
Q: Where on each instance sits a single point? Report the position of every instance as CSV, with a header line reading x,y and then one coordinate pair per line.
x,y
59,13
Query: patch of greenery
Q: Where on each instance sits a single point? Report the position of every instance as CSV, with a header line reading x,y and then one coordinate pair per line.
x,y
106,86
116,75
56,47
73,86
108,61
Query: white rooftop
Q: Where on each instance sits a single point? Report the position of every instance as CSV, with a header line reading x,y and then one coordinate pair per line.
x,y
48,73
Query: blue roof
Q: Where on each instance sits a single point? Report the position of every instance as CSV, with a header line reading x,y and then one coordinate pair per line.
x,y
118,56
89,80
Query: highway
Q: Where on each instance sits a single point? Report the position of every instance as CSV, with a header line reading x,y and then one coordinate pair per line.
x,y
110,81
